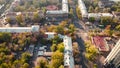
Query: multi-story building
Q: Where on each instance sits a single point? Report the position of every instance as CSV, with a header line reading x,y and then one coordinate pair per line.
x,y
113,59
20,29
82,8
68,53
51,15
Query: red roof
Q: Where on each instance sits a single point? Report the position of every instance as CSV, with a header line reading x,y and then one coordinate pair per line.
x,y
99,43
51,7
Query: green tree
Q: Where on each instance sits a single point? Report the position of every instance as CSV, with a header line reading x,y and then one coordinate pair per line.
x,y
59,29
5,37
106,20
91,19
56,39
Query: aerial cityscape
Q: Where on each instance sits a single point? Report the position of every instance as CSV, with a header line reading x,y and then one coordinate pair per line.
x,y
59,33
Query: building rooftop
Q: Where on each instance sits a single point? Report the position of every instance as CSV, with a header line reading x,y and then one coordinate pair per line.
x,y
68,55
100,43
20,29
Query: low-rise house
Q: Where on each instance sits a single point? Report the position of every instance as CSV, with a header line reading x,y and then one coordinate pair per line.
x,y
100,43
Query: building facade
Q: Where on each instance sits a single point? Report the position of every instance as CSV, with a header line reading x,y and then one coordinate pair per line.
x,y
61,13
113,59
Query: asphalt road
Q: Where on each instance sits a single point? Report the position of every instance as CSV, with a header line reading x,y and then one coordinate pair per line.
x,y
81,29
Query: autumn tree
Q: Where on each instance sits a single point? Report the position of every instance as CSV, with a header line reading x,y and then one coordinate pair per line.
x,y
5,37
19,19
42,63
53,47
57,59
26,65
91,51
76,51
118,27
8,20
71,29
78,12
36,17
25,57
60,47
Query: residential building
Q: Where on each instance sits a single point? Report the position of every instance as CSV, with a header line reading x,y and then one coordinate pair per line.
x,y
115,0
99,15
105,3
13,15
82,8
100,43
62,13
113,59
34,28
68,53
50,35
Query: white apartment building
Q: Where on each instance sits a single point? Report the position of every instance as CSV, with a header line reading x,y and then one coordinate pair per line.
x,y
68,54
98,15
82,8
34,28
85,14
115,0
63,11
